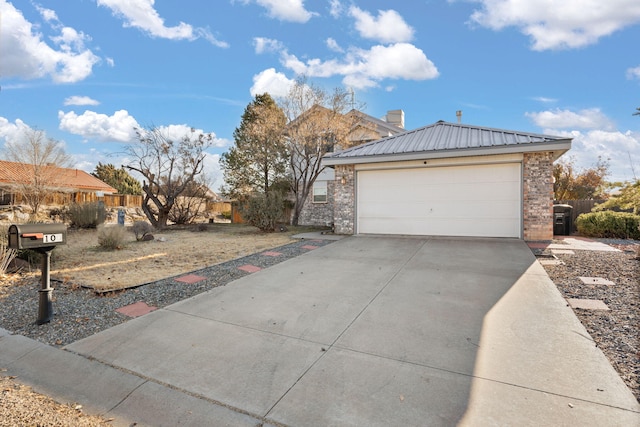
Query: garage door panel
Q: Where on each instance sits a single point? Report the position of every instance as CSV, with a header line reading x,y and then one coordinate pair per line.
x,y
453,201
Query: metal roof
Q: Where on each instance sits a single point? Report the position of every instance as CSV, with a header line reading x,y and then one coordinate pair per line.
x,y
443,139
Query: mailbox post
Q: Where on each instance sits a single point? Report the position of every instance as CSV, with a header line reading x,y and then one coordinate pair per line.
x,y
42,238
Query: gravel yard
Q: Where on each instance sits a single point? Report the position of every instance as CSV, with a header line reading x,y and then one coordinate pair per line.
x,y
616,331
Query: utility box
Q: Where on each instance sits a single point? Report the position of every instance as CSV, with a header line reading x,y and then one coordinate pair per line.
x,y
34,236
562,223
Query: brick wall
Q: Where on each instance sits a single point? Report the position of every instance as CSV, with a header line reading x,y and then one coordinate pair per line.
x,y
344,200
318,213
537,200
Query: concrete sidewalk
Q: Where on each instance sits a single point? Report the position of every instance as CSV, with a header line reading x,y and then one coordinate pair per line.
x,y
366,331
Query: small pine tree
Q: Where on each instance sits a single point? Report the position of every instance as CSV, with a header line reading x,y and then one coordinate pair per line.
x,y
117,178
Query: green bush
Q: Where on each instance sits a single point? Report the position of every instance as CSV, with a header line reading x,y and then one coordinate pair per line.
x,y
622,225
226,214
111,237
263,211
86,215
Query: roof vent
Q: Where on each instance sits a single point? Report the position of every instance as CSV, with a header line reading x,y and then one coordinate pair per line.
x,y
395,117
459,116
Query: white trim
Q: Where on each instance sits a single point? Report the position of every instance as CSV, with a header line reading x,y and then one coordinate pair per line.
x,y
557,148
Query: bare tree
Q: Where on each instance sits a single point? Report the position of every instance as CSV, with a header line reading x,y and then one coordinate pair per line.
x,y
37,162
317,122
169,167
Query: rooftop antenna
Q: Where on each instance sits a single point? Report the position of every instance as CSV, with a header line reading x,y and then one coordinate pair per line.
x,y
353,98
459,116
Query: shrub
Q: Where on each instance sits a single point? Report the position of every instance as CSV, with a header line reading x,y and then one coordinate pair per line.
x,y
226,214
621,225
186,210
6,254
263,211
86,215
141,229
113,237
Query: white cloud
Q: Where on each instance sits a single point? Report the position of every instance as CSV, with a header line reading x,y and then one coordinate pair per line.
x,y
333,45
545,100
177,132
335,8
26,55
619,148
633,73
271,82
286,10
591,118
80,100
366,68
119,127
12,132
47,14
263,44
594,135
213,171
387,27
142,15
559,24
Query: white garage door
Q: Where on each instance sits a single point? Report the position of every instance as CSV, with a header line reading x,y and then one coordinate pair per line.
x,y
479,200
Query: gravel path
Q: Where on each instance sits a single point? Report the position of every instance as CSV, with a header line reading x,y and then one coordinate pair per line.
x,y
616,331
79,313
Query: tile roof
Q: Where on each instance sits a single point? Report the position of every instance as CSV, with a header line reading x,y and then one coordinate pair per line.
x,y
63,178
443,139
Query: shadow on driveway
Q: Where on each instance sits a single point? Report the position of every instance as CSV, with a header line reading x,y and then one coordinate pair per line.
x,y
374,331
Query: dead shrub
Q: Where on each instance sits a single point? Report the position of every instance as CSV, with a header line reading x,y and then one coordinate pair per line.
x,y
111,237
6,254
140,229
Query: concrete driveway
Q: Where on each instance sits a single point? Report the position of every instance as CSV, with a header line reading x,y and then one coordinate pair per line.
x,y
367,331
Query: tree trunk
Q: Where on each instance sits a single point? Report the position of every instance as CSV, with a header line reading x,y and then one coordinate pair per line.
x,y
296,214
163,216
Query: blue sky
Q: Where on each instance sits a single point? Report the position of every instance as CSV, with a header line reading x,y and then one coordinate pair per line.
x,y
88,71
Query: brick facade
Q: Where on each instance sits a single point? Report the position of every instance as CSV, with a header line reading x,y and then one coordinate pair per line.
x,y
318,213
344,204
537,176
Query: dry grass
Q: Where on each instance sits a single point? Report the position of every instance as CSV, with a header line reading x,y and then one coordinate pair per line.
x,y
21,406
174,251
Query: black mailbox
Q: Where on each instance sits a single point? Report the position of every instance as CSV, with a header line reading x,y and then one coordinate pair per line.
x,y
33,236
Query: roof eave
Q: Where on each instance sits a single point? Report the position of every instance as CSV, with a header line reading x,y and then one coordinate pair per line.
x,y
558,148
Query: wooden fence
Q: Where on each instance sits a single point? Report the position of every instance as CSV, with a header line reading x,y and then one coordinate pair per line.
x,y
110,200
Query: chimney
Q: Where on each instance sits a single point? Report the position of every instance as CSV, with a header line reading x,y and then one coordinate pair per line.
x,y
395,117
459,116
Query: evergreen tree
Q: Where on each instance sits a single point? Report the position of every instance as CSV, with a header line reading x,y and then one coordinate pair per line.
x,y
259,157
117,178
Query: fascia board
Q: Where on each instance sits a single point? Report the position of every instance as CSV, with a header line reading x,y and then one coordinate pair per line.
x,y
558,149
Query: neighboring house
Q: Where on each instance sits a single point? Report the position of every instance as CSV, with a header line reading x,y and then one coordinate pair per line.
x,y
448,179
318,208
75,184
